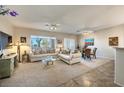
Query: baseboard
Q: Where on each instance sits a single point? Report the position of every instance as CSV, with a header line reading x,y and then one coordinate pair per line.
x,y
118,84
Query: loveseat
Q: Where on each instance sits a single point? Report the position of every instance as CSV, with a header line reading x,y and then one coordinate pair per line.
x,y
71,58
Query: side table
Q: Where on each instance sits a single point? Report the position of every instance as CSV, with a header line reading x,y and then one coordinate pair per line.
x,y
25,57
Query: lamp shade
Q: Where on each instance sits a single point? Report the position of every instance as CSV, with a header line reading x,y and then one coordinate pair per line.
x,y
59,46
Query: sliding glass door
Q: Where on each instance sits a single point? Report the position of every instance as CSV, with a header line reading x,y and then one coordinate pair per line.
x,y
69,44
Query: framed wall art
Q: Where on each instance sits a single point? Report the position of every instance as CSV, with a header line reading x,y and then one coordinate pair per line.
x,y
113,41
23,39
59,41
89,42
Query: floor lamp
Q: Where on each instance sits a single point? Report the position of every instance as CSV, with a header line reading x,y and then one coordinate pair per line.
x,y
60,47
18,50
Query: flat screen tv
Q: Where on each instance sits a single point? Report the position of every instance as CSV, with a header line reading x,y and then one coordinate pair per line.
x,y
5,39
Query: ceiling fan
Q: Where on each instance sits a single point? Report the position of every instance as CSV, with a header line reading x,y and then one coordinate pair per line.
x,y
52,27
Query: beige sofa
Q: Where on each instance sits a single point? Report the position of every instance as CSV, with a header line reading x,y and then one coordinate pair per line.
x,y
71,58
39,57
39,54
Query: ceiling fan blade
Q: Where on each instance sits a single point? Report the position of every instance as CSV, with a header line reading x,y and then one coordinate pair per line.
x,y
47,25
78,31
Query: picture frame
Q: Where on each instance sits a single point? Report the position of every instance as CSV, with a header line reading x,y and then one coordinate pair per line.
x,y
23,39
9,39
113,41
89,42
59,41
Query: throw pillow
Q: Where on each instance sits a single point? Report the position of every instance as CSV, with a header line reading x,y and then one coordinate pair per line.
x,y
75,51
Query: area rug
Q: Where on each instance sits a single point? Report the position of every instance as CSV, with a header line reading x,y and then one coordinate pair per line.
x,y
94,63
39,75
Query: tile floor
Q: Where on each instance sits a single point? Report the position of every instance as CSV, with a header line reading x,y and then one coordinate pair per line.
x,y
102,76
70,76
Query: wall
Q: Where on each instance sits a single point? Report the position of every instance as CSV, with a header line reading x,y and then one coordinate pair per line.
x,y
26,32
101,40
5,26
119,66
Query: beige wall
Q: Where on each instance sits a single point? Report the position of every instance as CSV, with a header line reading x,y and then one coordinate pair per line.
x,y
25,32
101,40
101,37
5,26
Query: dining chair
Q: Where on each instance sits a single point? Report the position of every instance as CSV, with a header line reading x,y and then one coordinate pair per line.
x,y
94,53
83,53
87,53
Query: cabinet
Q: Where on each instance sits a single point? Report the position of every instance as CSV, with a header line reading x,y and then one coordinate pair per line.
x,y
7,66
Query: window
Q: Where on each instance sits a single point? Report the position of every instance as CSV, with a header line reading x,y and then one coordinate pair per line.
x,y
43,42
69,43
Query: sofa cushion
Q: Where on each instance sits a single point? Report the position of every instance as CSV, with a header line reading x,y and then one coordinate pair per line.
x,y
67,57
76,55
38,51
74,51
65,52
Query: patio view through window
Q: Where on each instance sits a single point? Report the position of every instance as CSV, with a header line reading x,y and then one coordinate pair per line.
x,y
43,43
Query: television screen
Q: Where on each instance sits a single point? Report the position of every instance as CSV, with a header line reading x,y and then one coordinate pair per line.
x,y
0,45
4,40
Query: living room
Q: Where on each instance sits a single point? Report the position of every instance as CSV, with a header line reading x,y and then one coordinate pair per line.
x,y
57,30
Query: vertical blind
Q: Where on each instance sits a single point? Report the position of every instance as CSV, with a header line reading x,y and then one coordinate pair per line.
x,y
69,44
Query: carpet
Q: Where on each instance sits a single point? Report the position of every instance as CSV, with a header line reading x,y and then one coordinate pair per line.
x,y
38,75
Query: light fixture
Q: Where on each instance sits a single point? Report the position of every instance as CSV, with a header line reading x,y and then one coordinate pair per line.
x,y
53,28
20,46
60,46
87,32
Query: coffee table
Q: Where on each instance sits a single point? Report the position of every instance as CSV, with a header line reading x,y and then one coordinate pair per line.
x,y
49,59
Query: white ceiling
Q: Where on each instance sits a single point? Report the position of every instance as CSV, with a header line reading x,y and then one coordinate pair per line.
x,y
70,17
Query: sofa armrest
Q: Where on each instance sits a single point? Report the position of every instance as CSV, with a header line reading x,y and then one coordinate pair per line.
x,y
75,55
